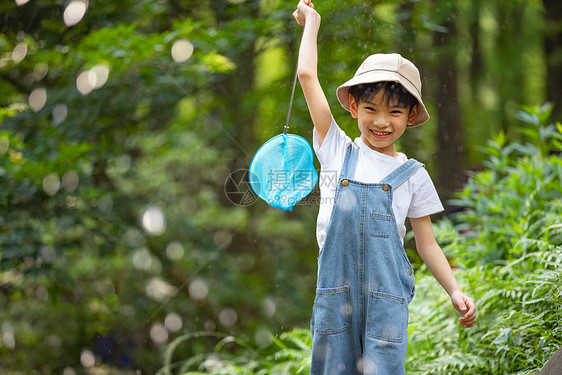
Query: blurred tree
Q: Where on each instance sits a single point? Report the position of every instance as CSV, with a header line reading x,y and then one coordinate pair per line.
x,y
451,149
477,58
509,59
553,51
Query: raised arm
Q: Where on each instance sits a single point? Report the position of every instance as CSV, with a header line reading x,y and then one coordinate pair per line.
x,y
307,68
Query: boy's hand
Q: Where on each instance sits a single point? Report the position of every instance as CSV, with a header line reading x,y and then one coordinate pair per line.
x,y
465,305
305,9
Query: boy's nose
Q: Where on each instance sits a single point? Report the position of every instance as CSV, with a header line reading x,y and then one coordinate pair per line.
x,y
380,120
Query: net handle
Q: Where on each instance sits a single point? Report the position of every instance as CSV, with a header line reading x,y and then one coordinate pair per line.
x,y
291,102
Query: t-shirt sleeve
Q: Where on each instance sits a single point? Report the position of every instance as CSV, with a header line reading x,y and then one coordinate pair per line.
x,y
425,200
333,147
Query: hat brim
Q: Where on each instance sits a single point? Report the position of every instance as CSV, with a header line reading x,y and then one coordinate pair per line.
x,y
379,76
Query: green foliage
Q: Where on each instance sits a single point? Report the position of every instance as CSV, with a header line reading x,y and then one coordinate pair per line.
x,y
288,354
506,246
516,201
507,243
518,325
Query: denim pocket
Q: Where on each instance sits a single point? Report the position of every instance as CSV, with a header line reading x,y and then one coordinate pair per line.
x,y
386,317
332,310
380,225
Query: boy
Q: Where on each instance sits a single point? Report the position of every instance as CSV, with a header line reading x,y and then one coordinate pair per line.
x,y
365,281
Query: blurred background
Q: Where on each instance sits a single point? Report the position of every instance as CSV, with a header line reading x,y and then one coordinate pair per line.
x,y
126,221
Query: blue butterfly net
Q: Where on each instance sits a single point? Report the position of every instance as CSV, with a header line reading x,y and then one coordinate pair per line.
x,y
282,171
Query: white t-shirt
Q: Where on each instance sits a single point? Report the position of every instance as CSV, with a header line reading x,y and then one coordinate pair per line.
x,y
415,198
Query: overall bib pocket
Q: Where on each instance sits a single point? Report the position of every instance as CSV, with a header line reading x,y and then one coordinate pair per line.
x,y
386,317
332,310
380,225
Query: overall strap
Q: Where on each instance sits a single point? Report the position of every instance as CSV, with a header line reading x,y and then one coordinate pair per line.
x,y
402,173
349,161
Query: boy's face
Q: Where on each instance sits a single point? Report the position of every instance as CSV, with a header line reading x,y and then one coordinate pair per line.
x,y
380,123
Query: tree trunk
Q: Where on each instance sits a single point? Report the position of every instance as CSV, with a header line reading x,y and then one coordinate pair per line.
x,y
477,59
510,71
236,117
553,52
451,154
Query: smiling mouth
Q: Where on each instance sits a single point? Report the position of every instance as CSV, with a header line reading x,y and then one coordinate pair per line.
x,y
379,134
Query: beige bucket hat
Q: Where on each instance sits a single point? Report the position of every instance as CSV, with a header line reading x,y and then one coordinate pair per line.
x,y
387,67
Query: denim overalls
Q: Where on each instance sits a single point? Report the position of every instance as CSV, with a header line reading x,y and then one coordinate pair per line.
x,y
365,281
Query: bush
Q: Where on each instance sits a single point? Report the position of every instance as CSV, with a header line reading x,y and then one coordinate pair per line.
x,y
506,248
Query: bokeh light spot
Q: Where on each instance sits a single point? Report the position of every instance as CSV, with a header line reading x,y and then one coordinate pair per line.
x,y
59,113
390,330
153,220
40,71
70,181
51,184
105,203
173,322
228,317
87,358
269,307
158,333
74,12
4,145
213,363
263,337
366,366
198,290
123,163
134,237
99,74
222,239
347,200
83,83
37,99
142,260
182,49
174,251
345,309
68,371
21,2
19,52
159,290
210,325
8,338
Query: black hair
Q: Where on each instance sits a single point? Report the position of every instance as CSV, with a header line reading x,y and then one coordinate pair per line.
x,y
394,93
